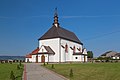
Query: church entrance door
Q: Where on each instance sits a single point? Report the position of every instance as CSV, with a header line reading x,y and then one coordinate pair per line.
x,y
42,58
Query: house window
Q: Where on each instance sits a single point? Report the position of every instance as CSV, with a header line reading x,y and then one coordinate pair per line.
x,y
76,57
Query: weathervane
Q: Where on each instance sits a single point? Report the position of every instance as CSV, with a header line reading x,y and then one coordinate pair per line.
x,y
56,18
56,14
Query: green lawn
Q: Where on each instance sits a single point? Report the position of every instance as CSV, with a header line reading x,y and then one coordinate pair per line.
x,y
89,71
5,70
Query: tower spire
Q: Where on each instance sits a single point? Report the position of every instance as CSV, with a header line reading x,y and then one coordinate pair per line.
x,y
56,14
56,18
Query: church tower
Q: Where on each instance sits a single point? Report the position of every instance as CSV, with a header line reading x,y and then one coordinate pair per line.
x,y
56,18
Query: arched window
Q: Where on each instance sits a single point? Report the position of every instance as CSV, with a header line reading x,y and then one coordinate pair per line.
x,y
66,48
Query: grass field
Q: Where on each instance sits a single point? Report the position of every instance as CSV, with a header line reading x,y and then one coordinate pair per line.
x,y
89,71
5,70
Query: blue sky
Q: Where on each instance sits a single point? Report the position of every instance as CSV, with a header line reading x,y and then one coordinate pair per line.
x,y
95,22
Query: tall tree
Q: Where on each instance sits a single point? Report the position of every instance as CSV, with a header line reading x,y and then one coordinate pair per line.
x,y
90,54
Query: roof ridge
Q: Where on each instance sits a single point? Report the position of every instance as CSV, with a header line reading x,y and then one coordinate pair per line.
x,y
67,30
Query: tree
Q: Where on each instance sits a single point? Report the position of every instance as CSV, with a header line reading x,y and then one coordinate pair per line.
x,y
90,54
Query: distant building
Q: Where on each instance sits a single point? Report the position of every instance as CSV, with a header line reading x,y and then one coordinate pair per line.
x,y
58,45
111,54
116,56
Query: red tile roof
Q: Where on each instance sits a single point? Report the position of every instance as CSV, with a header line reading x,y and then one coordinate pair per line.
x,y
35,51
28,56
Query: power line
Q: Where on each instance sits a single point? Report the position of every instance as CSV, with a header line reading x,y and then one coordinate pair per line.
x,y
103,35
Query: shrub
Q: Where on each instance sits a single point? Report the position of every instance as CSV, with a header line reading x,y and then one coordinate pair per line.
x,y
10,62
20,63
52,66
71,73
12,76
44,64
18,67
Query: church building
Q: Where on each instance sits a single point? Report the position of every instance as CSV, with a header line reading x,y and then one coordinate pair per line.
x,y
58,45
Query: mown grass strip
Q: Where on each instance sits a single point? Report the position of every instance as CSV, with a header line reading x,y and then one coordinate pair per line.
x,y
88,71
6,68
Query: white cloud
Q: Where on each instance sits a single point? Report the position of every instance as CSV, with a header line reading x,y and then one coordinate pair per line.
x,y
90,16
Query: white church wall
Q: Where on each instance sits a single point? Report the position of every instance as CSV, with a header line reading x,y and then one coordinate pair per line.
x,y
82,58
28,59
63,55
76,58
42,49
51,58
46,57
86,59
69,56
39,57
54,45
33,58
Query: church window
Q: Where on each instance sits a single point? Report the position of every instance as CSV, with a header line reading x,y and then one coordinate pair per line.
x,y
76,57
71,48
62,46
66,48
74,49
42,50
79,49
